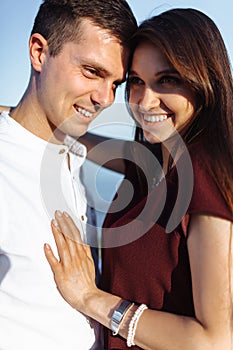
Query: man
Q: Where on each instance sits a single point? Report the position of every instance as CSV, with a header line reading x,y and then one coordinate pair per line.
x,y
79,51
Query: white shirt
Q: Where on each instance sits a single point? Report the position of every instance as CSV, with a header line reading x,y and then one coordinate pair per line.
x,y
34,181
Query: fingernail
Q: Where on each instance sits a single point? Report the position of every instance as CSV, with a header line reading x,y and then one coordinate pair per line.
x,y
66,214
58,213
47,246
55,223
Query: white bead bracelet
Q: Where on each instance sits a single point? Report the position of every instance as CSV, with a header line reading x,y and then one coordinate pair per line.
x,y
133,324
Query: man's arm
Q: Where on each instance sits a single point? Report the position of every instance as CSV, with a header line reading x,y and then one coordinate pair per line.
x,y
101,149
4,108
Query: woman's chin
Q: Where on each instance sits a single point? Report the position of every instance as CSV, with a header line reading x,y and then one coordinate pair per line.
x,y
151,138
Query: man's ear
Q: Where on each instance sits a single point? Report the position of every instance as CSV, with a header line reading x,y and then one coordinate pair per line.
x,y
38,48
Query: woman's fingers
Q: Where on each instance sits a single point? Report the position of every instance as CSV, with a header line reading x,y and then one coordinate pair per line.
x,y
52,260
71,235
74,273
68,226
49,255
61,243
68,240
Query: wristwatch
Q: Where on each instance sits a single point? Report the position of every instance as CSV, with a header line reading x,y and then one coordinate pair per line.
x,y
118,315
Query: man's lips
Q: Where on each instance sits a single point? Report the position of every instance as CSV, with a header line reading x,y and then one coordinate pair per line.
x,y
84,112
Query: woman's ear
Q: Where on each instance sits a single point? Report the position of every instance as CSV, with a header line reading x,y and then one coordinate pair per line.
x,y
38,48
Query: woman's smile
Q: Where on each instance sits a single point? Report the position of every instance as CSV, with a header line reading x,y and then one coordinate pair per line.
x,y
158,95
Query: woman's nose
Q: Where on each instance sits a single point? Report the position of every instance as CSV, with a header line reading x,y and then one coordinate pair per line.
x,y
149,99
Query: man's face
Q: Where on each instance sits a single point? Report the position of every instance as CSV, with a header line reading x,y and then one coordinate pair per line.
x,y
76,85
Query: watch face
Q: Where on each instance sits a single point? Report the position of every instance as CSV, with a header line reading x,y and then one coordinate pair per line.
x,y
118,315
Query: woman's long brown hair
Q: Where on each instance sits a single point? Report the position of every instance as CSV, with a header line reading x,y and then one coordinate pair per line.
x,y
193,44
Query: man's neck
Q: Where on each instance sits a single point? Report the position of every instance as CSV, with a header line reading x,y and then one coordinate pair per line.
x,y
30,117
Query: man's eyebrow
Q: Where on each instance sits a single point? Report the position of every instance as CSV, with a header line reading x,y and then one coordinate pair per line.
x,y
102,70
95,65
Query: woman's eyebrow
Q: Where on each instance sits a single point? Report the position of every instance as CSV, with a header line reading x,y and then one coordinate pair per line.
x,y
131,72
162,72
167,71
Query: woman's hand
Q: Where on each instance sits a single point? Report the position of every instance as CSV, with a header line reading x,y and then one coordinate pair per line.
x,y
74,273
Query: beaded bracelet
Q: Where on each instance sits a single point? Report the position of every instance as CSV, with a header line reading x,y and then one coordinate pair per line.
x,y
133,324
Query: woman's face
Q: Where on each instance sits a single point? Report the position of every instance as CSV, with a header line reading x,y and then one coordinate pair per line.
x,y
160,100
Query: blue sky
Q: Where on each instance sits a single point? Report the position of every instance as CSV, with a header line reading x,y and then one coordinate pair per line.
x,y
17,18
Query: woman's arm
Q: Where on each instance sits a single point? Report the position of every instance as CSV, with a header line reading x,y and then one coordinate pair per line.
x,y
210,251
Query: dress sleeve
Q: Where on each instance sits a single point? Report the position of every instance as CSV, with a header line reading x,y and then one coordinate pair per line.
x,y
206,198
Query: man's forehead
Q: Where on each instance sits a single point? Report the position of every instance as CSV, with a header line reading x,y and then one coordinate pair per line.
x,y
87,26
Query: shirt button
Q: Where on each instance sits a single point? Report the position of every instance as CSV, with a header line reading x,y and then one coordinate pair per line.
x,y
82,218
62,151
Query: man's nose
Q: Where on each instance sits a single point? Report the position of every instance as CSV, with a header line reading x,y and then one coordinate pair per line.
x,y
104,95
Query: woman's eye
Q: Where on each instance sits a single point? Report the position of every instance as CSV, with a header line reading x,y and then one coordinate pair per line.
x,y
134,81
169,80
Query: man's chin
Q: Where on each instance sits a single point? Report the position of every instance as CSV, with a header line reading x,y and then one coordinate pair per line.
x,y
78,134
75,132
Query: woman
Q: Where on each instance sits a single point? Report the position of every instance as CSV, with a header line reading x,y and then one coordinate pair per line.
x,y
166,283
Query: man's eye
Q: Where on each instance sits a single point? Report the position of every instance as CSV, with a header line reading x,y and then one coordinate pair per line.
x,y
90,71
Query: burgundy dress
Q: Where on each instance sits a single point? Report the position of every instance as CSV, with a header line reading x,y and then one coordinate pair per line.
x,y
154,268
